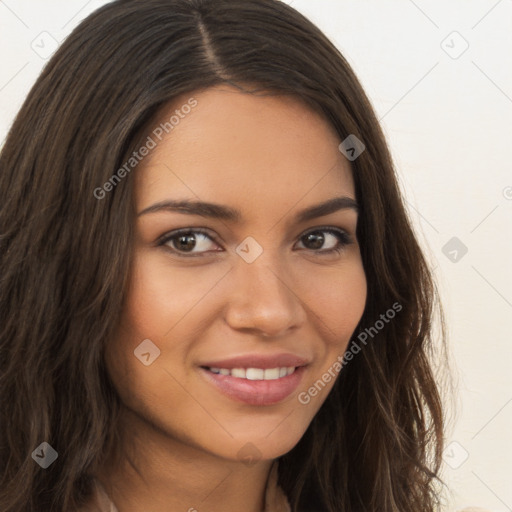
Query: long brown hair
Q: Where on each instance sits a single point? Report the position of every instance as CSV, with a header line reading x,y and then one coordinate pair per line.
x,y
65,256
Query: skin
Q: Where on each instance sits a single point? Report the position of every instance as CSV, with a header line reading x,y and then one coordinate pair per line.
x,y
269,157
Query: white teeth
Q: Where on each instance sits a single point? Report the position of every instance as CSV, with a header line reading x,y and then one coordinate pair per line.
x,y
255,373
238,372
271,374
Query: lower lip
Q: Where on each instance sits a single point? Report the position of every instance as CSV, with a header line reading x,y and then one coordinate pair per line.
x,y
255,392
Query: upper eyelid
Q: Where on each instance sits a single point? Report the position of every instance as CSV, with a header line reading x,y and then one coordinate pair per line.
x,y
176,232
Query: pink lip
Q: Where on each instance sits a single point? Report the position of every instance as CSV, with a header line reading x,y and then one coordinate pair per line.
x,y
258,361
255,392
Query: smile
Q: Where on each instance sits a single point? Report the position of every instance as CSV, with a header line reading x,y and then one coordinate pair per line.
x,y
254,386
255,373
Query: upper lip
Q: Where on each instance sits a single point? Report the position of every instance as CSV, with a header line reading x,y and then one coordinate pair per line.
x,y
263,361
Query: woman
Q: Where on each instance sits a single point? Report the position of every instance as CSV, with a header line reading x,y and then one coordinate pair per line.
x,y
212,297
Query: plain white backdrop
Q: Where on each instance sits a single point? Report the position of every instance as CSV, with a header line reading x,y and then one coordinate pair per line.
x,y
439,75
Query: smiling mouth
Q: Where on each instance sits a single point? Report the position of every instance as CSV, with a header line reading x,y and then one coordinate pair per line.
x,y
255,386
254,373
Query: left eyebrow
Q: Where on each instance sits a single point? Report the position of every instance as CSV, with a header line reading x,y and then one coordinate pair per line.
x,y
327,207
218,211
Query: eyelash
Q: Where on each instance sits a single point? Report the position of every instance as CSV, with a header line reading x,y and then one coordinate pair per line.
x,y
343,237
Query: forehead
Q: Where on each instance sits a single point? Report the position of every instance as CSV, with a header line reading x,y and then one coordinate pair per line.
x,y
260,154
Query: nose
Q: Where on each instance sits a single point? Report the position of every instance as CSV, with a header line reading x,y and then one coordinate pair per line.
x,y
262,300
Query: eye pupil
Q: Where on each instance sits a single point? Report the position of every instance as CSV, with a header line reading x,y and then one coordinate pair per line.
x,y
183,240
317,238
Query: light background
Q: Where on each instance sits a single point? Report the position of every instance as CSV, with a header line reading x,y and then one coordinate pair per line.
x,y
447,116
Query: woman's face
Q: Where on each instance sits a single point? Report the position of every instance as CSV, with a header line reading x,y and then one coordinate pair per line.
x,y
262,297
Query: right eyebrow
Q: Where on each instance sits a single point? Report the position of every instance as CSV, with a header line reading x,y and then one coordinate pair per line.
x,y
201,208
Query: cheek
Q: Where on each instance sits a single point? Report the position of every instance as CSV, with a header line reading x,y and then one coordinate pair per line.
x,y
155,309
337,298
168,308
150,310
159,298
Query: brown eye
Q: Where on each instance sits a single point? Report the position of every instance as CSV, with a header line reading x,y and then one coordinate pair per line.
x,y
195,242
335,240
185,242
